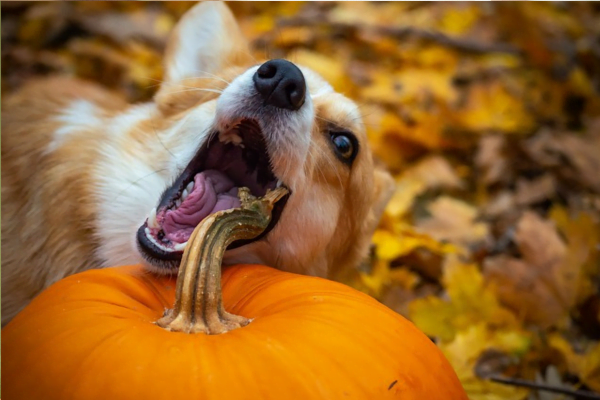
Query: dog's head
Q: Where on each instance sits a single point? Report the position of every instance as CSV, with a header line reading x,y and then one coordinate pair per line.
x,y
239,122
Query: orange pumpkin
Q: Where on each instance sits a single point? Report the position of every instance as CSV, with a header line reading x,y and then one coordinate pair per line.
x,y
93,336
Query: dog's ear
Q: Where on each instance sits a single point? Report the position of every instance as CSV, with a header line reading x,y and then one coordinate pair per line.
x,y
383,188
204,42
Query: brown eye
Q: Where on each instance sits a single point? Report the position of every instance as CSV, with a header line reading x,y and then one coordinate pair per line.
x,y
343,145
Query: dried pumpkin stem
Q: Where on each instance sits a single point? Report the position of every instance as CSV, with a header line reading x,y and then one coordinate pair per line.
x,y
198,304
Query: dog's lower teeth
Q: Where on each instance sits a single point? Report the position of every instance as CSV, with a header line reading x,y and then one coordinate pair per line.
x,y
178,202
184,195
154,241
190,187
279,183
179,246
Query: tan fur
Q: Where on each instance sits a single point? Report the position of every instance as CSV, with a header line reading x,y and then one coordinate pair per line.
x,y
47,207
54,194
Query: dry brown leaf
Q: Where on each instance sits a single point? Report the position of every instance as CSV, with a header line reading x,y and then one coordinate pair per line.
x,y
435,172
152,25
491,160
501,204
454,221
584,156
520,287
540,287
536,190
539,242
575,157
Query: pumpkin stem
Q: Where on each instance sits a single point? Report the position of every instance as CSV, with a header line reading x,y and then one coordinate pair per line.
x,y
198,304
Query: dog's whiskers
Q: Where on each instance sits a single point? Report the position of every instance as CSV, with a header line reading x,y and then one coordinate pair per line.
x,y
218,91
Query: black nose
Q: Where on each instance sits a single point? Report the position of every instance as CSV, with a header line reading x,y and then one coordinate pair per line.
x,y
280,84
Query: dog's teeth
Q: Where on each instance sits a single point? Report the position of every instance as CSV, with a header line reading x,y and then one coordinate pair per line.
x,y
152,223
279,183
236,139
190,187
178,202
225,137
179,246
184,195
230,137
156,243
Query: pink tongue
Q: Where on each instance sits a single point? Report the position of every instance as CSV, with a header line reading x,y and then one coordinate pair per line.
x,y
213,191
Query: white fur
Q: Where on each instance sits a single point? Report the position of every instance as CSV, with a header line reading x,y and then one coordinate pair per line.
x,y
126,121
127,189
135,162
287,132
79,115
130,184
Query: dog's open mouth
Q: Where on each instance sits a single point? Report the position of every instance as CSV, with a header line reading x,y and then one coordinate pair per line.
x,y
225,162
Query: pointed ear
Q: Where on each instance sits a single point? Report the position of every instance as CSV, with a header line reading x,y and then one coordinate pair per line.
x,y
206,40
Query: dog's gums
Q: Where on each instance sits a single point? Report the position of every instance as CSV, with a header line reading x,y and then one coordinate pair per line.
x,y
226,162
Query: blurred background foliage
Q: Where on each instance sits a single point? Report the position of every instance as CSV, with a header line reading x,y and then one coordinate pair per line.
x,y
487,114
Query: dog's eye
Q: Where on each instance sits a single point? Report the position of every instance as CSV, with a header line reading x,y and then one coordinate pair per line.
x,y
345,145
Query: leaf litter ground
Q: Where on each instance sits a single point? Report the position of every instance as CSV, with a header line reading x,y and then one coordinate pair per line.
x,y
488,115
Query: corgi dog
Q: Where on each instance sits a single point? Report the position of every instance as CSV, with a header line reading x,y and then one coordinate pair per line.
x,y
89,181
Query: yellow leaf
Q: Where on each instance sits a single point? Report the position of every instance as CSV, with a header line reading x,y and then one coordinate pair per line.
x,y
331,69
590,369
295,35
458,20
389,246
492,107
471,302
434,316
382,276
466,348
586,366
404,195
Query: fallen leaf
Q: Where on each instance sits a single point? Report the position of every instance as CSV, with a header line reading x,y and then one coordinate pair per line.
x,y
470,301
435,172
146,24
491,107
541,288
521,288
582,233
454,221
536,190
464,351
383,276
586,365
575,158
491,160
